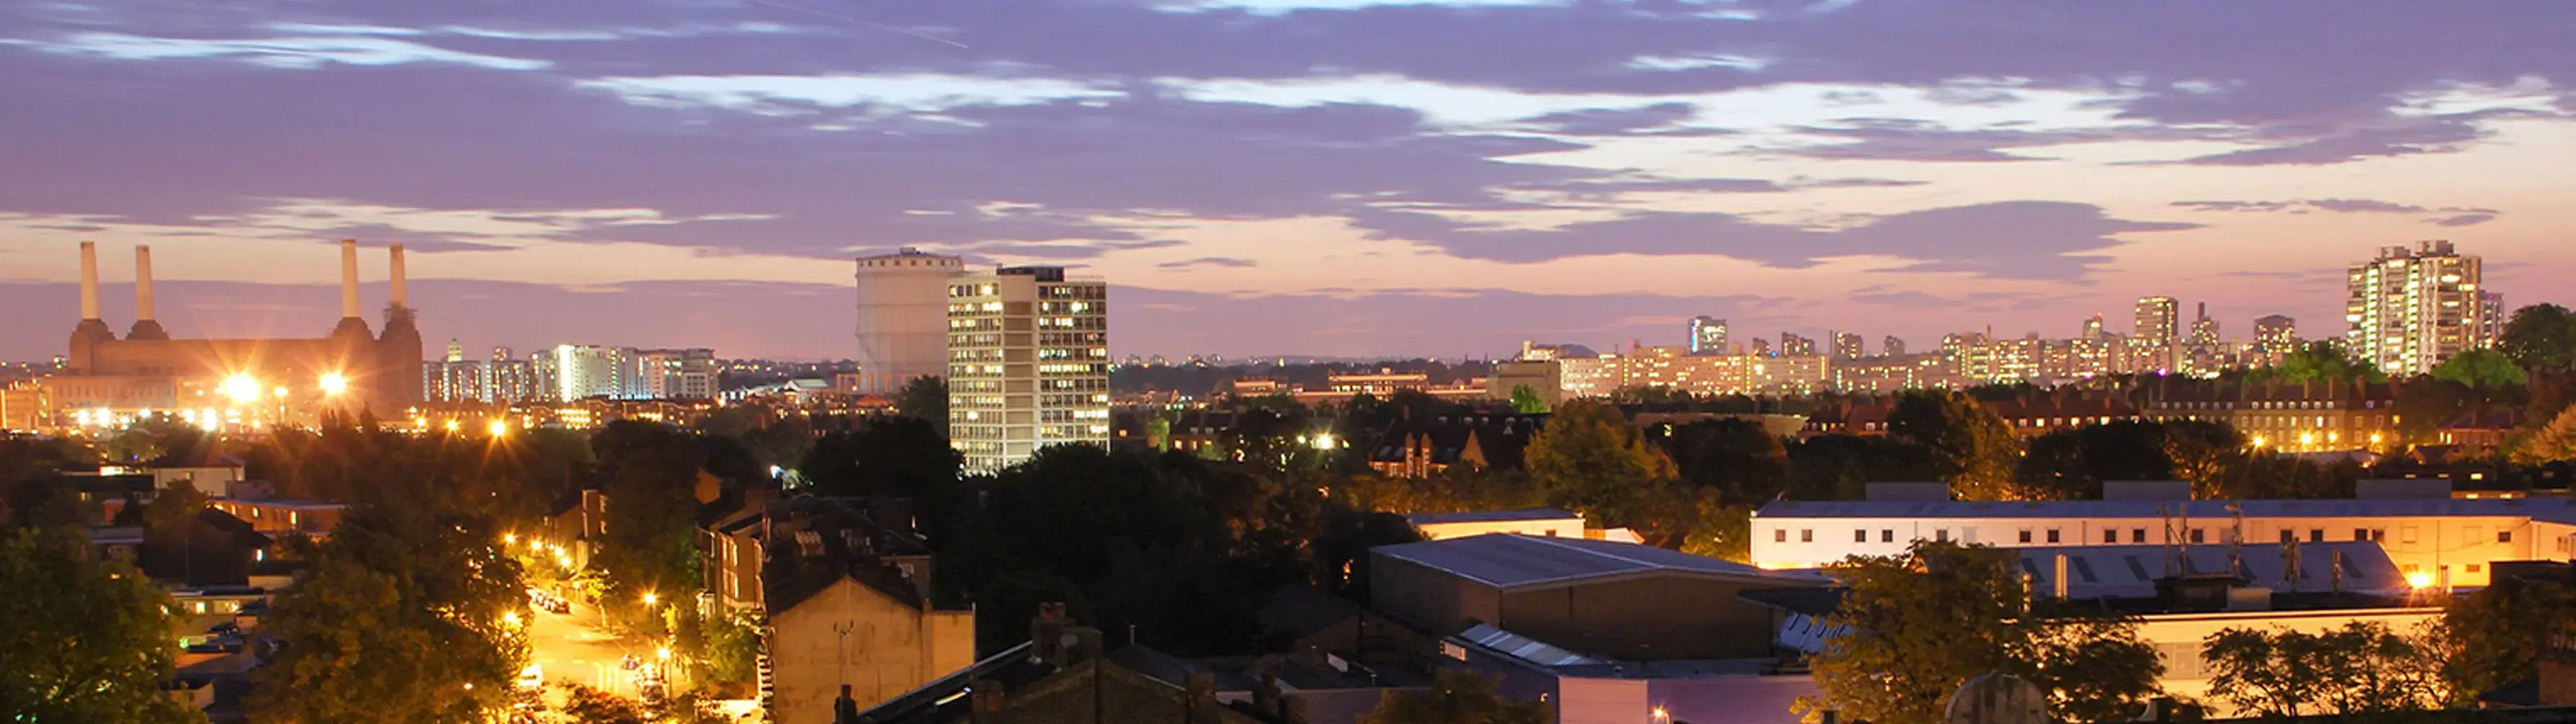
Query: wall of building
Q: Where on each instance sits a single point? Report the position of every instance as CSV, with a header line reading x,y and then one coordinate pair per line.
x,y
2466,545
1657,618
1429,597
891,648
2178,638
1565,527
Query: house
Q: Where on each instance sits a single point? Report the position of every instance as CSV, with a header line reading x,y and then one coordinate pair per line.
x,y
1419,449
848,608
208,548
1599,597
275,516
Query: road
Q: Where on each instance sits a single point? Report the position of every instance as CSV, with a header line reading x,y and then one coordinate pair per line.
x,y
571,650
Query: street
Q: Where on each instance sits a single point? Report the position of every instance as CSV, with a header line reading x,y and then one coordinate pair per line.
x,y
571,650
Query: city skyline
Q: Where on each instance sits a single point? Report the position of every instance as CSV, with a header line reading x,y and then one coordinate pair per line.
x,y
702,175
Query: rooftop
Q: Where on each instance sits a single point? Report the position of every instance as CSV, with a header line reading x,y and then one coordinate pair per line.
x,y
2558,510
1511,561
1491,516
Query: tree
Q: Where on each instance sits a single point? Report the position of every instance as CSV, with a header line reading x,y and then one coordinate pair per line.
x,y
2318,362
585,705
2480,369
2553,442
87,641
2070,463
1588,458
402,617
1526,400
1737,458
1972,449
177,500
1457,696
1912,629
2492,638
2540,337
925,399
2362,668
650,475
1839,467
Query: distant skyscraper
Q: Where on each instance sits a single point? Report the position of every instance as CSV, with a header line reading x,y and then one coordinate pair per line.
x,y
1759,346
678,374
1028,364
2491,311
1892,346
2156,321
2204,331
903,318
1793,345
1707,335
2276,334
2414,307
579,371
455,351
2093,327
1847,345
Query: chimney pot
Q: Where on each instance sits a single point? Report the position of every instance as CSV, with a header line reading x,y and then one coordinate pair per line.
x,y
349,279
143,283
400,294
89,280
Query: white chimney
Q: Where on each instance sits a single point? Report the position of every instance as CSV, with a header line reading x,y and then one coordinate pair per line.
x,y
143,283
89,280
401,297
349,278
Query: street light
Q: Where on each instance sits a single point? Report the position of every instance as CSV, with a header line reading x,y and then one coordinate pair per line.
x,y
241,388
648,599
498,428
333,384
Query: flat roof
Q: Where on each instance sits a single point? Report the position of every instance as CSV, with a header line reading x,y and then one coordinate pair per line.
x,y
1514,561
1491,516
2556,510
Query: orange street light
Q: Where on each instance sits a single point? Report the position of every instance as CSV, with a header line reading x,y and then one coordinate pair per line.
x,y
333,384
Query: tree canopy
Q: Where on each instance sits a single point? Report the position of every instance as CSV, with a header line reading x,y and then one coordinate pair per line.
x,y
86,641
925,399
1457,696
2540,337
2492,637
1913,628
1971,447
2361,668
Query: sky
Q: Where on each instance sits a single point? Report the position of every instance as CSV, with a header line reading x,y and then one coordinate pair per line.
x,y
1316,177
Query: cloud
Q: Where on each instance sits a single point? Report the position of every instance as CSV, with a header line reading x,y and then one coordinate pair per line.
x,y
1901,299
303,53
2462,220
781,95
2449,215
1208,261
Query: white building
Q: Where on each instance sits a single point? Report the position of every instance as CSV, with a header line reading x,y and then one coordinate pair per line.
x,y
2414,307
2433,541
678,374
903,318
580,371
1028,364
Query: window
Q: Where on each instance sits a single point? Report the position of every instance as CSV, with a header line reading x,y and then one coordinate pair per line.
x,y
2406,534
2288,536
1806,535
1860,535
1941,534
1780,536
2025,535
2361,534
2110,535
2476,567
2504,536
2196,535
2316,535
2137,535
1887,535
2052,535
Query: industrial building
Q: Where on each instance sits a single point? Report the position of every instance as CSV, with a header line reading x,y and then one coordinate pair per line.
x,y
903,318
106,379
2435,542
1028,364
1603,598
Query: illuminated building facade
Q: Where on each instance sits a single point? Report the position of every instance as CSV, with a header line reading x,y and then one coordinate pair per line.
x,y
1793,344
1028,364
903,318
2275,336
106,380
1847,345
1707,335
2414,307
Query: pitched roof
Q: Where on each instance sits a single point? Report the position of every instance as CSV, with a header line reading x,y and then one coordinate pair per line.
x,y
2131,571
1491,516
1519,562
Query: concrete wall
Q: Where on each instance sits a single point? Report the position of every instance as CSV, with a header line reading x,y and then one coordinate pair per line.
x,y
2425,544
2178,639
890,648
1657,618
1567,527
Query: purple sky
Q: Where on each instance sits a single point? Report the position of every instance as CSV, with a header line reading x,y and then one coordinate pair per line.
x,y
1342,177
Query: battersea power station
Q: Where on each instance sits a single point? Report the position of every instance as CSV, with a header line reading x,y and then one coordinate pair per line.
x,y
246,382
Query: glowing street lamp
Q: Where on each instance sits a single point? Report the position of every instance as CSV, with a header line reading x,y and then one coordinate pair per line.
x,y
281,392
333,384
649,598
241,388
498,428
510,617
2419,580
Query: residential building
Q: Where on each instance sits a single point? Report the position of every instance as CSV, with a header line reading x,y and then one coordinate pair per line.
x,y
1028,364
1847,346
2157,321
314,518
2093,328
1793,344
1061,676
572,372
1891,347
1422,448
903,318
1545,377
2276,335
1700,374
2204,331
848,610
1759,347
2492,313
2308,417
677,374
2435,542
1707,335
1380,384
2412,308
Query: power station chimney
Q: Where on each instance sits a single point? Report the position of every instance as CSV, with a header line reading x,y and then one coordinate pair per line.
x,y
89,281
401,296
349,279
146,323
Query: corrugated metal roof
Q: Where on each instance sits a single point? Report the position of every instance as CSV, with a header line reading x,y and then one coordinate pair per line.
x,y
1505,560
2559,510
2131,571
1523,647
